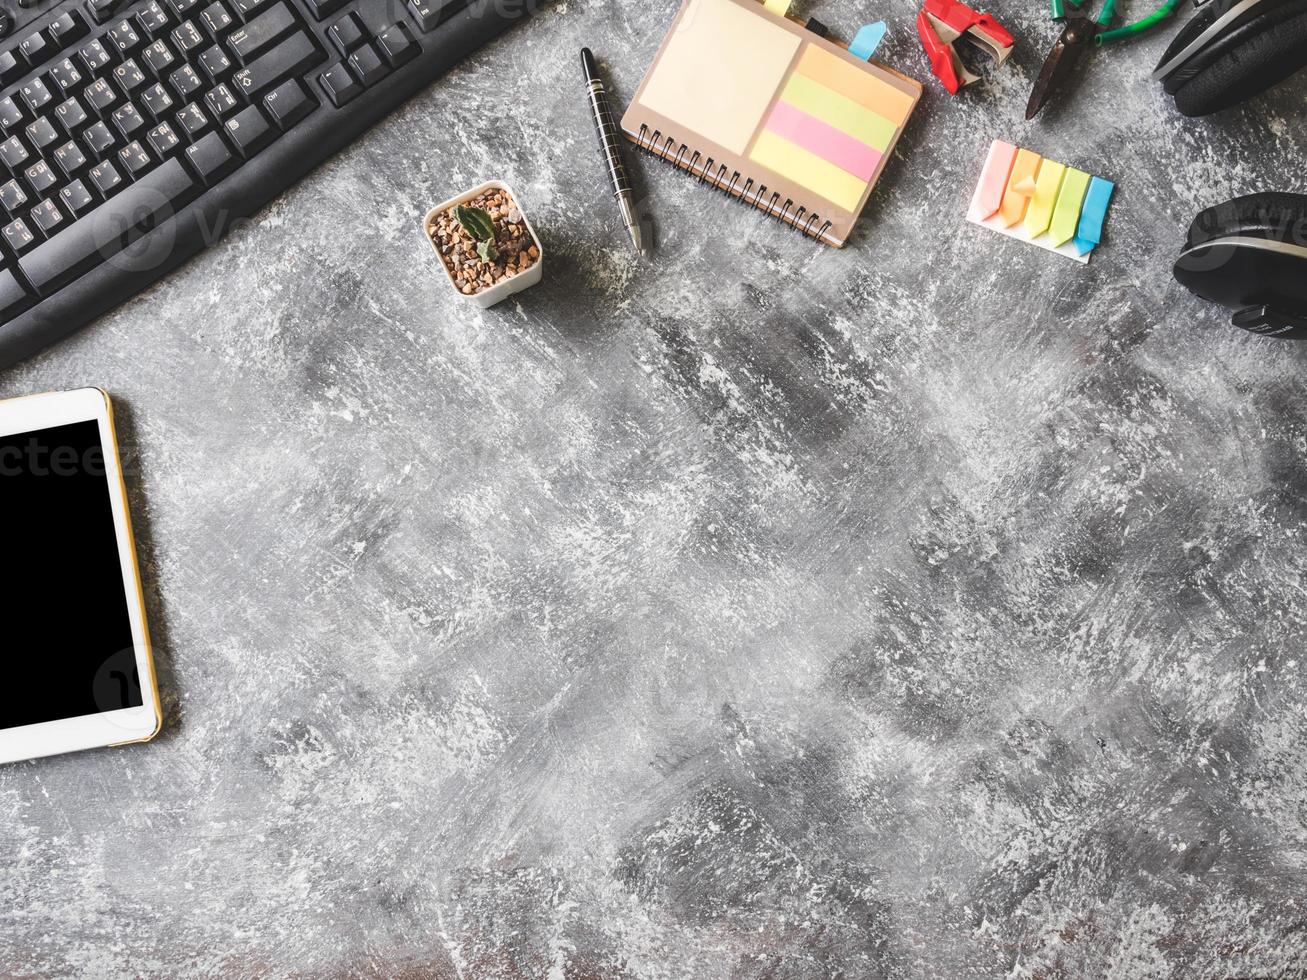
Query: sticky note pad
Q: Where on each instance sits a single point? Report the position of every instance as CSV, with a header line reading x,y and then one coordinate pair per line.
x,y
1063,208
1040,213
994,178
1066,214
1015,202
1093,215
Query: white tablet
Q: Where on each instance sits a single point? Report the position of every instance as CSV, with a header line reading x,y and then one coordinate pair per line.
x,y
77,667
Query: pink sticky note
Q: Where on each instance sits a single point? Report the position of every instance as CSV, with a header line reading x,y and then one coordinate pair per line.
x,y
993,179
824,140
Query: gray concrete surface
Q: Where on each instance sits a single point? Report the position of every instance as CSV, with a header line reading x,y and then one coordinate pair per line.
x,y
932,608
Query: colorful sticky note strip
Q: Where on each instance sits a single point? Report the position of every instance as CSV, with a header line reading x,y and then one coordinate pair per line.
x,y
830,128
1040,201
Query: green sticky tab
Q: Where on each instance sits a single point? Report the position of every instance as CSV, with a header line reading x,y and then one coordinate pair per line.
x,y
1040,213
1066,215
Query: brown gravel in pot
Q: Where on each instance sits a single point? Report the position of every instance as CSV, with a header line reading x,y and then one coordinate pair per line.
x,y
517,251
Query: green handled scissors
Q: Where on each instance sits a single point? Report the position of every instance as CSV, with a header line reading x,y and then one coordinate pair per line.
x,y
1081,33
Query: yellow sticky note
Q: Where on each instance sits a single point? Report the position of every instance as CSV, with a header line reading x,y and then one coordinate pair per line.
x,y
1066,216
778,7
808,170
1017,198
1047,184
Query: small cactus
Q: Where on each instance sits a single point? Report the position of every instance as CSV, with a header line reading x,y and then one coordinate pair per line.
x,y
478,223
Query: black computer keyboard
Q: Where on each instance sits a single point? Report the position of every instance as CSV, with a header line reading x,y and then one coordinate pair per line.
x,y
132,134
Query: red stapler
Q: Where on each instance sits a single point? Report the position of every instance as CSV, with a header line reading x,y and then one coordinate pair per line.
x,y
942,22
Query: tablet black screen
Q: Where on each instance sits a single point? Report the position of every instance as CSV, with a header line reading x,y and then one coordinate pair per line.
x,y
65,639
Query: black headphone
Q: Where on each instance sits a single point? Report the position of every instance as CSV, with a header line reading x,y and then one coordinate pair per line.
x,y
1250,255
1233,50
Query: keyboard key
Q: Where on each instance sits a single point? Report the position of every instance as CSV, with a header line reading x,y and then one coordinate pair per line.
x,y
215,62
322,9
10,67
67,28
13,297
339,84
100,95
94,56
347,34
10,114
192,120
36,94
135,159
129,76
36,47
152,18
66,75
185,81
249,131
163,140
187,37
210,158
13,153
261,32
249,7
40,177
101,10
158,57
83,244
156,101
216,18
123,37
69,158
47,216
367,65
12,195
98,139
397,45
76,199
220,101
287,104
291,58
70,113
127,120
42,133
104,175
182,7
18,235
430,14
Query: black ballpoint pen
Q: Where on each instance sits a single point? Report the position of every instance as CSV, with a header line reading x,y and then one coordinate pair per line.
x,y
610,142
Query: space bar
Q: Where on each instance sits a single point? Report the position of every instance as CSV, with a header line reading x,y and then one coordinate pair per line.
x,y
102,233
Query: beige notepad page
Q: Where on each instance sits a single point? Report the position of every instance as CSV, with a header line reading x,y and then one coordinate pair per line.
x,y
743,73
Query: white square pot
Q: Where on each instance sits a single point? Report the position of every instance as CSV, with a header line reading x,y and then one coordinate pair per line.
x,y
507,287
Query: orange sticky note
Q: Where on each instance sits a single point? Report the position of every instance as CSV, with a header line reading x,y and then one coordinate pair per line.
x,y
1020,187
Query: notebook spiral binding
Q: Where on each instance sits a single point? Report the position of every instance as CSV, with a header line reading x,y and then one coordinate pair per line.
x,y
728,181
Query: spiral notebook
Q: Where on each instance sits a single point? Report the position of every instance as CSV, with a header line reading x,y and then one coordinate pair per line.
x,y
771,113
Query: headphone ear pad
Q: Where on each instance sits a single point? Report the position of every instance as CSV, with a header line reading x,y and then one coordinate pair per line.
x,y
1249,60
1275,215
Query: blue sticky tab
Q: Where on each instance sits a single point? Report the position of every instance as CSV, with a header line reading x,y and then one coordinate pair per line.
x,y
1093,214
868,40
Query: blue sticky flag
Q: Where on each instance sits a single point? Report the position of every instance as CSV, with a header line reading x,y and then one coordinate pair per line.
x,y
868,40
1093,214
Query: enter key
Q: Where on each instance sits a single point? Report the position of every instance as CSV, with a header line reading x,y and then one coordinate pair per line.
x,y
266,29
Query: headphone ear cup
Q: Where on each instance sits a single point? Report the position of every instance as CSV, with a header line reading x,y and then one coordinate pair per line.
x,y
1246,62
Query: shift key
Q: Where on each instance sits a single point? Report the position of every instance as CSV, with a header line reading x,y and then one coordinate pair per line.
x,y
261,31
292,57
100,234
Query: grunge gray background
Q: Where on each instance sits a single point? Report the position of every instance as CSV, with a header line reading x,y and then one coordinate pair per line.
x,y
930,608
